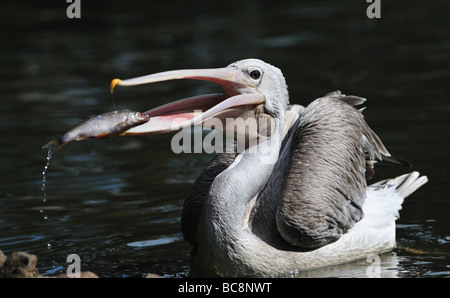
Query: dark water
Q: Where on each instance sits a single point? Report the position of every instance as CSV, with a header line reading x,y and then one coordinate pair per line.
x,y
117,203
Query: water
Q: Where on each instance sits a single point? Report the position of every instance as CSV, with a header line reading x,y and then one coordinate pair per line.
x,y
117,203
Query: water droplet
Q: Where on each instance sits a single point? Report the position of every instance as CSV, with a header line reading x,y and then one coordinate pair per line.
x,y
44,174
43,189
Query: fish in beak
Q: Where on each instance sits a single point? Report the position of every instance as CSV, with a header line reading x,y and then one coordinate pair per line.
x,y
241,98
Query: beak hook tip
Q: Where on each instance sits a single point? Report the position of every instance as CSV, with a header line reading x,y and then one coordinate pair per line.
x,y
113,84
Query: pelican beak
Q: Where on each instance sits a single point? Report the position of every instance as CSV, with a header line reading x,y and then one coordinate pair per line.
x,y
239,95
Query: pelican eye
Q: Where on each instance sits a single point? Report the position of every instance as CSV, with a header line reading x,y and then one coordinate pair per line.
x,y
255,74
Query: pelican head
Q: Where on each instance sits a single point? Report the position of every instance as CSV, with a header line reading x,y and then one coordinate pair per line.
x,y
249,85
267,80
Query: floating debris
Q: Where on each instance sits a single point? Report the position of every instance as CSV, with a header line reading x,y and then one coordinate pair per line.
x,y
23,265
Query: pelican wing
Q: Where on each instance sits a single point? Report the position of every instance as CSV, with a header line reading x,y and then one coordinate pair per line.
x,y
329,145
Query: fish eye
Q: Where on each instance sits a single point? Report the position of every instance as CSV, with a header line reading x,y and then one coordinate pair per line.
x,y
141,115
255,74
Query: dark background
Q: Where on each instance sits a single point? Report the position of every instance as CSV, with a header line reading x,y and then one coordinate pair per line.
x,y
117,203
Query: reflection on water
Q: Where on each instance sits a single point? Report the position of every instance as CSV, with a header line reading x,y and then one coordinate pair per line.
x,y
374,266
154,242
117,203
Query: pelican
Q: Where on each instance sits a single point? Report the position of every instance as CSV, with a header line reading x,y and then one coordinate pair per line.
x,y
295,197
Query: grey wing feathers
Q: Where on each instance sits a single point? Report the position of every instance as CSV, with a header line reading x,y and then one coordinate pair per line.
x,y
325,185
350,99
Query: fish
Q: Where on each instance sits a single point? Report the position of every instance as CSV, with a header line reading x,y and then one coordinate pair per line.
x,y
102,126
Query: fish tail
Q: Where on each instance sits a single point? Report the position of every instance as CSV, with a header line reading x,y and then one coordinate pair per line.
x,y
54,145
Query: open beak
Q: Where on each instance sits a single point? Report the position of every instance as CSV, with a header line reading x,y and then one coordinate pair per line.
x,y
239,96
